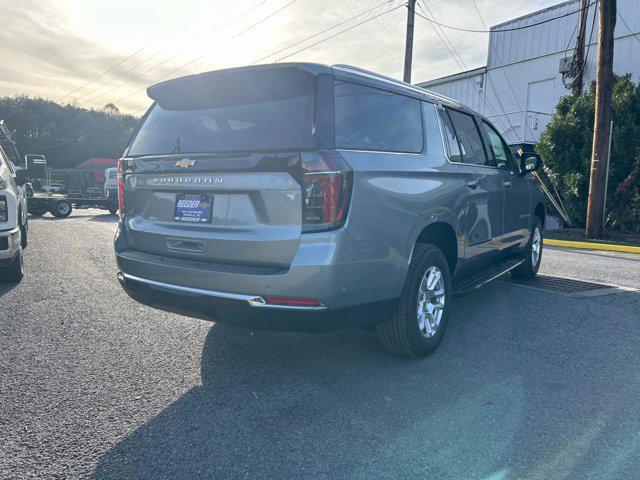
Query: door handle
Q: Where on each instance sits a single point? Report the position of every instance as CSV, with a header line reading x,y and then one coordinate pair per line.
x,y
183,246
507,184
473,184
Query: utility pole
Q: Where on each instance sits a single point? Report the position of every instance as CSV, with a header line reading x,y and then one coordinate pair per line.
x,y
408,49
602,122
578,56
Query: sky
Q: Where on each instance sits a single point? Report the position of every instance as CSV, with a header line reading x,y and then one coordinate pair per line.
x,y
90,53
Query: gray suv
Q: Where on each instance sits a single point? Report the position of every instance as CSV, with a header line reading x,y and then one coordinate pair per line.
x,y
306,197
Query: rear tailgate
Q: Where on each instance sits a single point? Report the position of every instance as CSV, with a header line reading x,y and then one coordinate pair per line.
x,y
244,217
211,173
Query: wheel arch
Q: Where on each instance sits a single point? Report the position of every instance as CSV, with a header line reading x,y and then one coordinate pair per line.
x,y
442,235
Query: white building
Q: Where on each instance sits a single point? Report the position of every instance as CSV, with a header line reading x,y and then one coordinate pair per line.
x,y
521,84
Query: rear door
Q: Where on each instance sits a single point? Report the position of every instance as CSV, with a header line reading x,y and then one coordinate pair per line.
x,y
517,193
212,172
484,187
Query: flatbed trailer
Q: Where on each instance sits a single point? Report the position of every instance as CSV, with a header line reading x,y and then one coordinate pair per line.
x,y
61,206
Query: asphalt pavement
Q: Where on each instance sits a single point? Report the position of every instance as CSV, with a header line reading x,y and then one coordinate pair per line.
x,y
526,384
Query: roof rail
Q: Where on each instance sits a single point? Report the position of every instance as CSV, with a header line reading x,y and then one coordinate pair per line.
x,y
408,86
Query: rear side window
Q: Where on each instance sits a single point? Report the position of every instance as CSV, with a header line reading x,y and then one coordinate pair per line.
x,y
450,137
469,140
368,118
433,139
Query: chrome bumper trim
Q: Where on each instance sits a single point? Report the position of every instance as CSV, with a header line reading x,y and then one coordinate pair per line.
x,y
253,300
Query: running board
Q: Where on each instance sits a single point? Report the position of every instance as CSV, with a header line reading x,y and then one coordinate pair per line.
x,y
477,280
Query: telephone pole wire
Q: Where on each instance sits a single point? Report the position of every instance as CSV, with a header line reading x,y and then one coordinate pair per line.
x,y
578,55
408,49
602,121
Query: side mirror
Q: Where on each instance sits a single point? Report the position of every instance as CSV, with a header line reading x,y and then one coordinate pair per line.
x,y
530,162
21,177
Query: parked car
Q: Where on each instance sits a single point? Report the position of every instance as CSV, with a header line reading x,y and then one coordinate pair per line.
x,y
307,197
111,183
53,188
13,220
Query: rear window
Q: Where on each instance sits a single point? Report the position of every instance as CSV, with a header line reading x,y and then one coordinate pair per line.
x,y
368,118
234,111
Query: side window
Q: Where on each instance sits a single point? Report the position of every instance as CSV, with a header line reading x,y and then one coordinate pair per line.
x,y
469,138
450,137
433,138
498,148
368,118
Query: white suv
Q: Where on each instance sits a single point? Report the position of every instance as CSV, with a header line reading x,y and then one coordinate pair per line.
x,y
13,220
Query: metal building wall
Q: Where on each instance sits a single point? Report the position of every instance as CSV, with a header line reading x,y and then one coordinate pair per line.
x,y
522,84
467,90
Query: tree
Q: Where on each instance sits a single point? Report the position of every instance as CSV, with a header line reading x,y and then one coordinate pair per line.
x,y
566,149
67,135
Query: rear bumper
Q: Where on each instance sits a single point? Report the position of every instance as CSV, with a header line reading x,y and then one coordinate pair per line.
x,y
9,244
250,310
357,283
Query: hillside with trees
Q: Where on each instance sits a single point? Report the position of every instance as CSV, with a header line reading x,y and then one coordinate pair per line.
x,y
67,135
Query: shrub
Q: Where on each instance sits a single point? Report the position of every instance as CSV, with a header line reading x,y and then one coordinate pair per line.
x,y
566,145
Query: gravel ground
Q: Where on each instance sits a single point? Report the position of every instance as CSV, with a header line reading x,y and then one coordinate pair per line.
x,y
526,384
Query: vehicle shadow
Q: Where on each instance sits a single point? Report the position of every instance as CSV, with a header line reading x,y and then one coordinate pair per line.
x,y
104,218
6,288
507,395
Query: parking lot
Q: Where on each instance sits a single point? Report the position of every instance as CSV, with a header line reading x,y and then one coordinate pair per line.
x,y
527,383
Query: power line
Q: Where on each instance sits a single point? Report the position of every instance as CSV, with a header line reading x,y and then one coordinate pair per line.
x,y
103,73
46,147
203,55
226,7
341,32
502,68
469,30
458,59
183,66
117,77
156,54
320,33
444,39
635,35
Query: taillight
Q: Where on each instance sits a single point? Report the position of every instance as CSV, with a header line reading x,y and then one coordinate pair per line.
x,y
121,171
326,191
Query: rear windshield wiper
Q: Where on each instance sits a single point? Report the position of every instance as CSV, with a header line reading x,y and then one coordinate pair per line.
x,y
177,148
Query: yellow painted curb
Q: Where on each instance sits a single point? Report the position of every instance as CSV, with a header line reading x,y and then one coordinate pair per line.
x,y
592,246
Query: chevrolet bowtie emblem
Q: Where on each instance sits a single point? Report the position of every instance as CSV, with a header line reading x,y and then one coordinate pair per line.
x,y
185,162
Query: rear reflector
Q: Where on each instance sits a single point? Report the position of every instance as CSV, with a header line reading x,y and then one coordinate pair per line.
x,y
293,302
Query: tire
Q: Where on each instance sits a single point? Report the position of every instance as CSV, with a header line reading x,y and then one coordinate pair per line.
x,y
37,213
14,272
402,334
61,209
531,264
